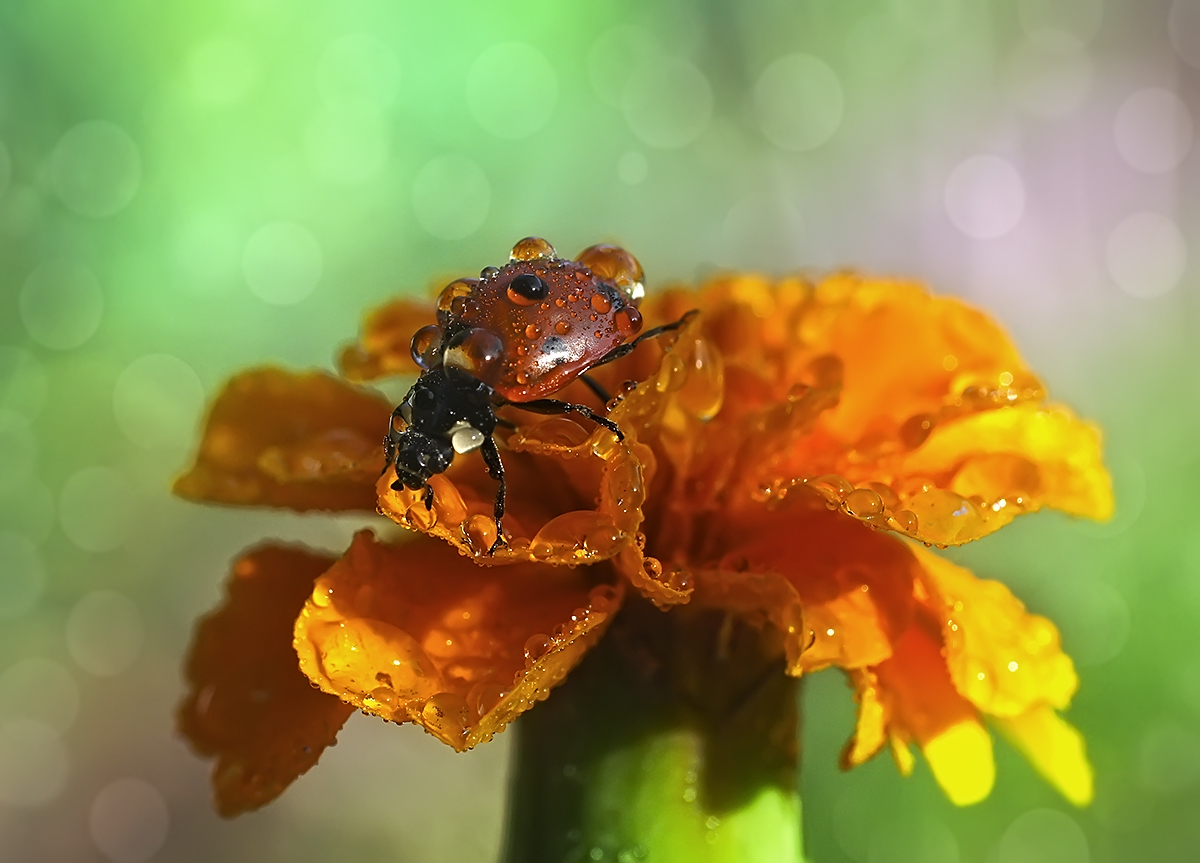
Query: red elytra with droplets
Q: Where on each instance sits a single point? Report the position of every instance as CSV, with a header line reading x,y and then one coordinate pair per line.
x,y
537,323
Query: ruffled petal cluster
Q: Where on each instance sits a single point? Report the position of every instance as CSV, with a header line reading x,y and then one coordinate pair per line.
x,y
789,455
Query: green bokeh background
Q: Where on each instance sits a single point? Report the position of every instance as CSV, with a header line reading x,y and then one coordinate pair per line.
x,y
188,189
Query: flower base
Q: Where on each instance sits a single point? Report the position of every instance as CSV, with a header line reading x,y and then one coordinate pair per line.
x,y
676,739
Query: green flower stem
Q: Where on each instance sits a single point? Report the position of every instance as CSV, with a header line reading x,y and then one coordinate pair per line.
x,y
676,739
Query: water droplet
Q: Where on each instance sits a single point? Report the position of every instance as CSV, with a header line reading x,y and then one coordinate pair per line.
x,y
532,331
475,350
537,646
532,248
628,321
562,328
426,347
863,502
481,532
601,303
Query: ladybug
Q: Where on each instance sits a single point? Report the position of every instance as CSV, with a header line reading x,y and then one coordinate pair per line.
x,y
514,336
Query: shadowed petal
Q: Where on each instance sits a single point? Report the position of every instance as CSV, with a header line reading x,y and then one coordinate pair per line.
x,y
921,704
248,704
416,632
383,346
298,440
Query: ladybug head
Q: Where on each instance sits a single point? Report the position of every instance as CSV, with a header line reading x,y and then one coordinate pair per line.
x,y
420,456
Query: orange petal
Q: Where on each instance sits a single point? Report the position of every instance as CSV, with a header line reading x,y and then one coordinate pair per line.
x,y
1001,658
298,440
248,703
1022,458
416,632
922,704
855,585
572,498
383,346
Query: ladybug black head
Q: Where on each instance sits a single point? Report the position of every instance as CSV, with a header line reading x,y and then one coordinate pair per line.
x,y
420,456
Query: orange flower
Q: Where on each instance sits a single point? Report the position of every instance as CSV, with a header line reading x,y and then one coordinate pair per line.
x,y
788,457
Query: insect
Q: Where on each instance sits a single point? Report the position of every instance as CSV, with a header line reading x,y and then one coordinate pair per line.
x,y
514,336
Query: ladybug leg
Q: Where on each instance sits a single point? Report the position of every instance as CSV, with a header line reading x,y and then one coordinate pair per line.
x,y
595,387
427,497
554,406
627,348
491,457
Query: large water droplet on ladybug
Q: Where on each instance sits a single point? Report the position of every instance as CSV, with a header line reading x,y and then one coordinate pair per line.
x,y
426,347
476,351
601,303
616,265
530,249
628,321
460,288
527,289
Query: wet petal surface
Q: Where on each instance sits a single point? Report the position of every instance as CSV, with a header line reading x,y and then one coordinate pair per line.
x,y
248,705
382,348
298,440
416,632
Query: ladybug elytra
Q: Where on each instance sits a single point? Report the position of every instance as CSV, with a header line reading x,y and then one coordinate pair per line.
x,y
514,336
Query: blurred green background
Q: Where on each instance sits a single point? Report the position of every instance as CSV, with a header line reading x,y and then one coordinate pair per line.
x,y
190,188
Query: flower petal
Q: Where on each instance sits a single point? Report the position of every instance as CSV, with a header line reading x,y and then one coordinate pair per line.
x,y
416,632
1003,659
1055,748
922,704
1026,456
298,440
383,346
248,704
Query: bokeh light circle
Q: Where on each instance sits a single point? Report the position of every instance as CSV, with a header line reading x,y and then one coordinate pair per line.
x,y
221,71
1153,130
985,197
799,102
512,90
96,508
1048,73
157,402
633,168
913,840
1169,758
1146,254
1183,24
451,196
1043,836
928,19
33,764
129,821
359,69
61,305
28,509
18,451
205,251
1078,18
282,263
39,689
96,169
667,102
104,633
762,228
1093,618
613,55
347,143
24,383
22,575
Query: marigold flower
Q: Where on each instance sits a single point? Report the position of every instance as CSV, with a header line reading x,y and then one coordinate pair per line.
x,y
789,456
